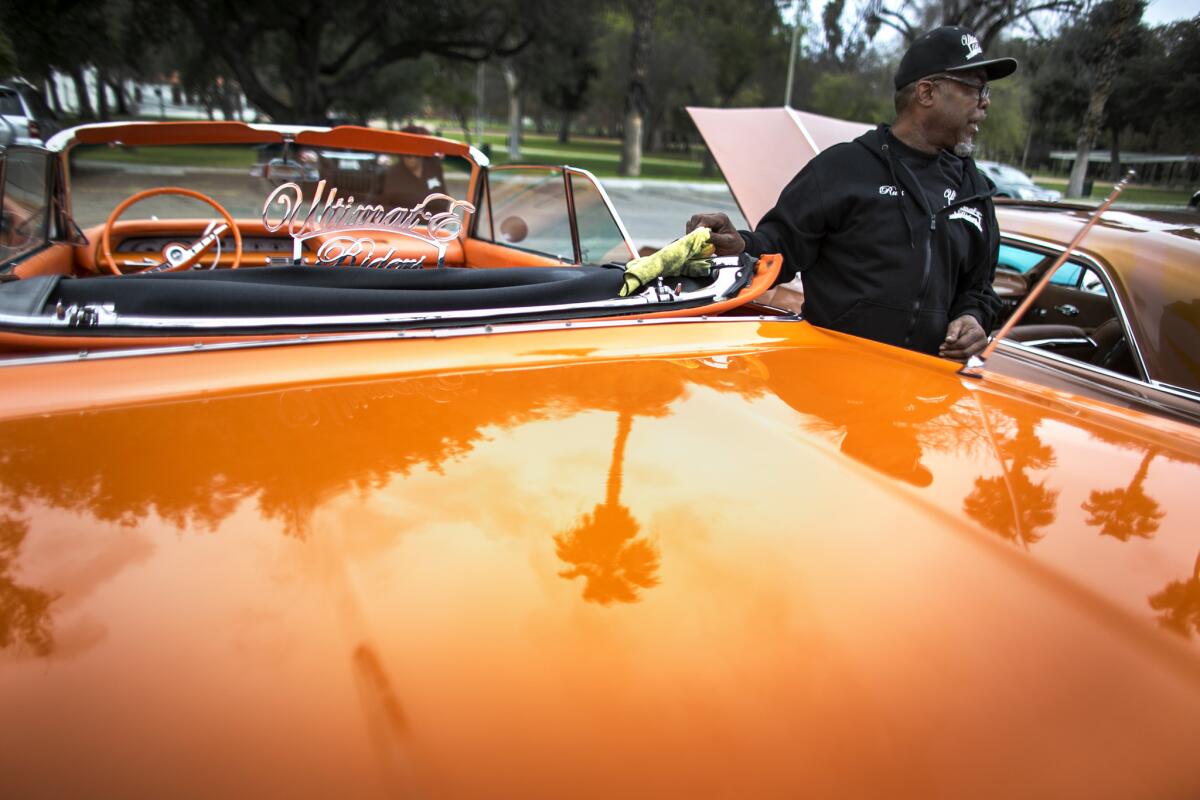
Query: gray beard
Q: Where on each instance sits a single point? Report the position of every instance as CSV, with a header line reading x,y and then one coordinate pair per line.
x,y
964,149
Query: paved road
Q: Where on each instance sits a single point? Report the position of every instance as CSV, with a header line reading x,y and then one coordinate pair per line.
x,y
655,211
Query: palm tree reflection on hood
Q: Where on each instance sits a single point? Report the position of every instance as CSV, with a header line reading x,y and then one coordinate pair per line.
x,y
1179,604
604,547
1127,512
1012,504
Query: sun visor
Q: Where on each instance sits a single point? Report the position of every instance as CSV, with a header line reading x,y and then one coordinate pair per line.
x,y
760,149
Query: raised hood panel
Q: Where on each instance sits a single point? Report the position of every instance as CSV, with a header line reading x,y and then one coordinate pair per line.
x,y
760,149
785,564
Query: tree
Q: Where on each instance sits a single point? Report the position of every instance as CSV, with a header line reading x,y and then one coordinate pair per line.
x,y
1118,18
987,19
8,56
296,59
642,12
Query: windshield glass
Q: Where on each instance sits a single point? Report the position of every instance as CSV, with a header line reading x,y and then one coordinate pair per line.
x,y
240,177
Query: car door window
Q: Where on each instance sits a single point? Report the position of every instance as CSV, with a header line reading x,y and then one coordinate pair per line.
x,y
1074,316
527,209
601,239
1092,284
24,202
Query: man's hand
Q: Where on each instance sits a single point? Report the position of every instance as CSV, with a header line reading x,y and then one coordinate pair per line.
x,y
964,338
724,237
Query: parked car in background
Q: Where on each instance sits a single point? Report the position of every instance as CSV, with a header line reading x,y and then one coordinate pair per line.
x,y
26,119
1012,182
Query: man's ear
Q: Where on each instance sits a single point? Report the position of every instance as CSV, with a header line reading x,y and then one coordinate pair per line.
x,y
924,93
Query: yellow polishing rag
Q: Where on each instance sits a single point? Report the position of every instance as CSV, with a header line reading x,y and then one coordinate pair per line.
x,y
689,256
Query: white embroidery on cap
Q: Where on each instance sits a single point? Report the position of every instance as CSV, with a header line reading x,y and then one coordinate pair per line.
x,y
972,45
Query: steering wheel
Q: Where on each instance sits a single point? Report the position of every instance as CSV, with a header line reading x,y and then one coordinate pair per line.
x,y
188,256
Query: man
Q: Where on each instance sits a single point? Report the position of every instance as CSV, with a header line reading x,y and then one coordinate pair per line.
x,y
895,233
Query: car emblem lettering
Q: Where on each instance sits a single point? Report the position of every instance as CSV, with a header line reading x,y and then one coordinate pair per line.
x,y
342,214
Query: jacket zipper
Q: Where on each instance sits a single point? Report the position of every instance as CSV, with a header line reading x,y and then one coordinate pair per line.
x,y
916,306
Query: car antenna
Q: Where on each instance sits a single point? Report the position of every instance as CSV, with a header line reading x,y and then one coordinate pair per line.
x,y
975,364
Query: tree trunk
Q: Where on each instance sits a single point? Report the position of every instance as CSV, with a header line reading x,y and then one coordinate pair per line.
x,y
83,102
513,85
1126,18
122,99
1115,153
52,94
564,127
102,93
635,94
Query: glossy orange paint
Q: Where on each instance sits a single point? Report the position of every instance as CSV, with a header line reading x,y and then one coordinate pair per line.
x,y
653,559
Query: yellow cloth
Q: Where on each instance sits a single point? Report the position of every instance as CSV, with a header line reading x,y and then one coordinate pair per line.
x,y
689,256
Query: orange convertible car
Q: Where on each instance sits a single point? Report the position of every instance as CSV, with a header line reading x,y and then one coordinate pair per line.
x,y
332,525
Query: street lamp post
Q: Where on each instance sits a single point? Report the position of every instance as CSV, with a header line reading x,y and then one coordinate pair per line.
x,y
791,73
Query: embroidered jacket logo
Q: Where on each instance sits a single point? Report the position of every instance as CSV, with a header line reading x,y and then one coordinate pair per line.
x,y
971,215
972,45
949,194
888,190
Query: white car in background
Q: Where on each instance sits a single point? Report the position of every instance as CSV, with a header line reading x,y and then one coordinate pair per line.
x,y
24,116
1012,182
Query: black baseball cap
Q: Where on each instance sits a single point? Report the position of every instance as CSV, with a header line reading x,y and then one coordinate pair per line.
x,y
949,49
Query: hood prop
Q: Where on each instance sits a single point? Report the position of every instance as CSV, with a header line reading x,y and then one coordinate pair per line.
x,y
975,364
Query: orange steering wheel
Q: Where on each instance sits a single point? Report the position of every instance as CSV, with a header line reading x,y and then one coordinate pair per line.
x,y
188,256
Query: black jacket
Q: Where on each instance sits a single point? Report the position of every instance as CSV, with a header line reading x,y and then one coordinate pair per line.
x,y
876,261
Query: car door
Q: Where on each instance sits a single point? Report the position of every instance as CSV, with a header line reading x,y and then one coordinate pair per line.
x,y
25,189
1078,298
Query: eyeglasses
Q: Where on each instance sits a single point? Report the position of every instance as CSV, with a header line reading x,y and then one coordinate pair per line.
x,y
984,90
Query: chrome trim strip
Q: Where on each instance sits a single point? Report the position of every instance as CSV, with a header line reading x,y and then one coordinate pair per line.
x,y
612,210
103,317
1177,391
1025,349
1139,359
1040,342
367,336
479,157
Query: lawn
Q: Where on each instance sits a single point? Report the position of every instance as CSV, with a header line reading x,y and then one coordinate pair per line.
x,y
236,156
599,156
1148,195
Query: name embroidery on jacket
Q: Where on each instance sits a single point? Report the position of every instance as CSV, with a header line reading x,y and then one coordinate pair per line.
x,y
889,190
971,215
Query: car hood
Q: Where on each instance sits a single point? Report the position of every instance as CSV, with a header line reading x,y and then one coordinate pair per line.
x,y
747,558
784,141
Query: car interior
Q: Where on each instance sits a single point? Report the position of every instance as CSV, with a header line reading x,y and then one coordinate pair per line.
x,y
1074,317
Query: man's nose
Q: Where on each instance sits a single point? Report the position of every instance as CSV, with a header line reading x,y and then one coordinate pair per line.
x,y
985,102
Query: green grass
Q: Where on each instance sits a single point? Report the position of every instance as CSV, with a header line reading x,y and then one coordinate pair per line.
x,y
233,156
599,156
1148,195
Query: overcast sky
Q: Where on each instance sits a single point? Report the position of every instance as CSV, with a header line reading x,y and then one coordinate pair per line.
x,y
1157,13
1161,11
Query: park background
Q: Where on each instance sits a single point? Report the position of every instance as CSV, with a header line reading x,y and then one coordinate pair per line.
x,y
1103,86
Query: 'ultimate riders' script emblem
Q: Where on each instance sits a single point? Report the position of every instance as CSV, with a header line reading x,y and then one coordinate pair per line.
x,y
971,215
972,45
338,215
